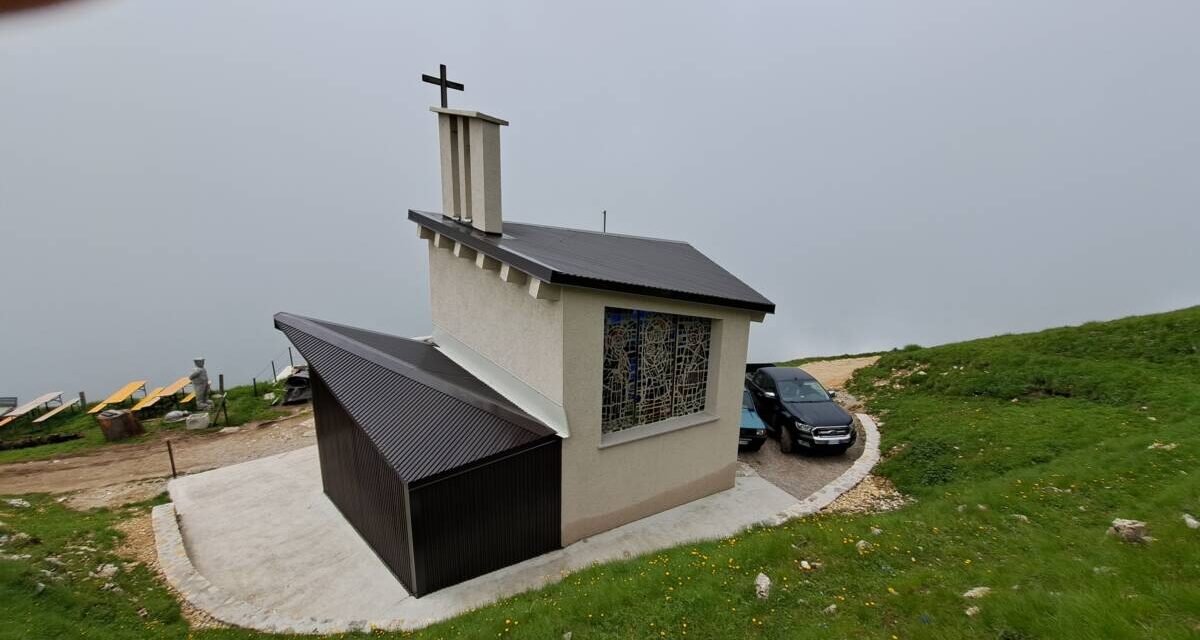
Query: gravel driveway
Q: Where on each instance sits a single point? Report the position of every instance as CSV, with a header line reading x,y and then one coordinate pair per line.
x,y
802,473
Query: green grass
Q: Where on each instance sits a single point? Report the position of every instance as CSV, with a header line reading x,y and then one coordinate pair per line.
x,y
1069,455
67,547
244,406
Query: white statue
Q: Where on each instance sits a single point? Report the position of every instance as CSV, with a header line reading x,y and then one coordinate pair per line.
x,y
199,378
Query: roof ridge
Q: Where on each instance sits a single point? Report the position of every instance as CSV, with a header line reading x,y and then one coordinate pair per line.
x,y
601,233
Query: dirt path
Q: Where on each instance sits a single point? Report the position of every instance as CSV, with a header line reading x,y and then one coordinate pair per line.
x,y
94,473
836,373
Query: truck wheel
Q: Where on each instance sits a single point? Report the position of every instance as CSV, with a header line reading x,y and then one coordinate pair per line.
x,y
785,440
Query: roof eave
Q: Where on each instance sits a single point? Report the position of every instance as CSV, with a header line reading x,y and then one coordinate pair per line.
x,y
479,241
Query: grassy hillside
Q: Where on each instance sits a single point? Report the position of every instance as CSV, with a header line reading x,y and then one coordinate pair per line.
x,y
1019,451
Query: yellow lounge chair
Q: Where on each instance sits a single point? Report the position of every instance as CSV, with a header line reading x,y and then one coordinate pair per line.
x,y
176,387
120,395
151,398
55,411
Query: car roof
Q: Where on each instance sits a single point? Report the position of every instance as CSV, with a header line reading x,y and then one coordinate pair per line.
x,y
787,373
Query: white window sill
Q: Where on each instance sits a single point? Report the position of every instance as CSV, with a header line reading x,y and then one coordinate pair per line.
x,y
633,434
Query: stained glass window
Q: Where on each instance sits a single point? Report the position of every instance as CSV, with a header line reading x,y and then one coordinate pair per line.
x,y
655,367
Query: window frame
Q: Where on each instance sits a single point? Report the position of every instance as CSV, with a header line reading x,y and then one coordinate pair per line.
x,y
675,422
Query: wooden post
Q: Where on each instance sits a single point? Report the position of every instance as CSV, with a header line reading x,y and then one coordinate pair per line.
x,y
82,400
290,361
274,375
254,381
221,382
171,455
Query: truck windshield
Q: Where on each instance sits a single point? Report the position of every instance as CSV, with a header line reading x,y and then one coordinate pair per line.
x,y
801,391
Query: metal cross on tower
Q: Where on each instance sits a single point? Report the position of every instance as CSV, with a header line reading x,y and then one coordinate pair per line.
x,y
442,82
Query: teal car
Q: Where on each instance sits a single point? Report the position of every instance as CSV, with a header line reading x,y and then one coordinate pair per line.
x,y
753,432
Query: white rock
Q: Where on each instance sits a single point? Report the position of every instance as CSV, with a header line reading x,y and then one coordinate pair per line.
x,y
1191,522
805,565
18,503
762,586
105,571
22,539
831,609
863,546
230,429
197,421
876,531
1129,530
972,611
1021,517
977,592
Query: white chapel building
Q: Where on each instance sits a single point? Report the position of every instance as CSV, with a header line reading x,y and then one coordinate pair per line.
x,y
574,381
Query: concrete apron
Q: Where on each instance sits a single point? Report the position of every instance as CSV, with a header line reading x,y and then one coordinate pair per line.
x,y
258,545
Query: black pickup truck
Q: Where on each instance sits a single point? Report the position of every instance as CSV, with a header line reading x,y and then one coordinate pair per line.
x,y
798,410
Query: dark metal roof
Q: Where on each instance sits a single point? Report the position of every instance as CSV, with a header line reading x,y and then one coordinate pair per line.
x,y
614,262
424,413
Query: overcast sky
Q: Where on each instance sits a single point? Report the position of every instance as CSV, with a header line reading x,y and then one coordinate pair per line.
x,y
173,173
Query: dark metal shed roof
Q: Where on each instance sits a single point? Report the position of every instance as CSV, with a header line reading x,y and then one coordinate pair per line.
x,y
424,413
615,262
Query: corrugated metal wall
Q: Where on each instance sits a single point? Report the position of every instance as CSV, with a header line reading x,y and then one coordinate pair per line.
x,y
361,484
463,524
492,515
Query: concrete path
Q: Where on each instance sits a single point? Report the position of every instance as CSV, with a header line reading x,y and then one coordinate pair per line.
x,y
259,545
265,531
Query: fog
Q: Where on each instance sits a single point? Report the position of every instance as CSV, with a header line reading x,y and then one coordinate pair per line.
x,y
172,174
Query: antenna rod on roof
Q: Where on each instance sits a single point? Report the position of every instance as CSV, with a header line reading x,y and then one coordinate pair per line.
x,y
604,225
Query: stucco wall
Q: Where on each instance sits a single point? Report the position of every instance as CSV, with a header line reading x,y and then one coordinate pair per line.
x,y
557,347
499,320
607,486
